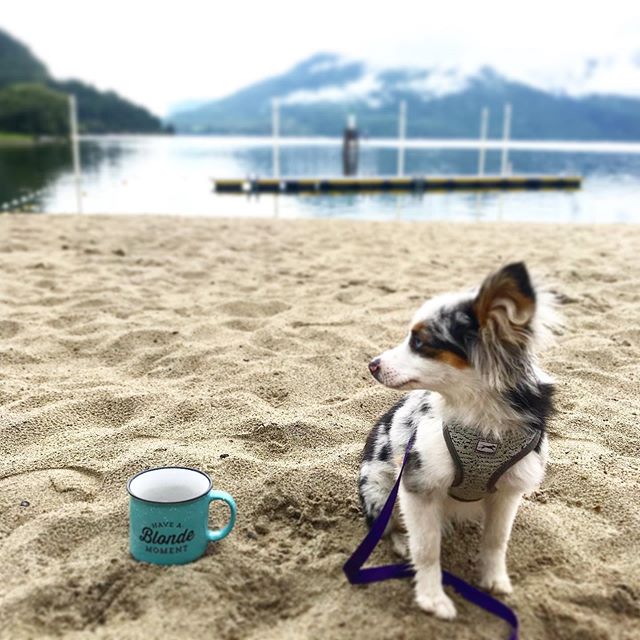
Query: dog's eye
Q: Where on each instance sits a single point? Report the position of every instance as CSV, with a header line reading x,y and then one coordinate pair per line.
x,y
415,343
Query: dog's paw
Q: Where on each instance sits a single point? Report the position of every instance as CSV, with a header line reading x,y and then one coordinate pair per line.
x,y
440,605
400,544
498,583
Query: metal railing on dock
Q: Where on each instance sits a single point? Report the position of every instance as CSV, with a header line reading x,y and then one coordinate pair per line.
x,y
351,182
417,184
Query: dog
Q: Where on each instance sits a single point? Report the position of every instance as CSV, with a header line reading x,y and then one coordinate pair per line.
x,y
469,362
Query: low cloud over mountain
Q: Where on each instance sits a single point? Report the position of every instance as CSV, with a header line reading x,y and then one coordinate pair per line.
x,y
317,94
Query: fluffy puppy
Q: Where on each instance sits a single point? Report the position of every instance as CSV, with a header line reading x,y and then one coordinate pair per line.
x,y
469,360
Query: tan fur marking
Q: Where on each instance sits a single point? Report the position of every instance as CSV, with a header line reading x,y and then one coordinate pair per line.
x,y
452,359
419,327
497,286
448,357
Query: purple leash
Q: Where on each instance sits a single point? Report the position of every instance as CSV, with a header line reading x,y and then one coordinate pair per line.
x,y
356,574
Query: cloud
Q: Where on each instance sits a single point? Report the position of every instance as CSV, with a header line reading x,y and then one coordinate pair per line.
x,y
160,54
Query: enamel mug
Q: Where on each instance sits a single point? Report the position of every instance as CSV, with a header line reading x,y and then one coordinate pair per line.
x,y
169,513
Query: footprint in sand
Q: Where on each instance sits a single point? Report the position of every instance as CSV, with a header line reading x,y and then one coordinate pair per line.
x,y
252,309
8,329
102,411
134,343
43,490
66,320
275,395
243,324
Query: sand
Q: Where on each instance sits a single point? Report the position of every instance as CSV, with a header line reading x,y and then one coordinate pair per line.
x,y
240,347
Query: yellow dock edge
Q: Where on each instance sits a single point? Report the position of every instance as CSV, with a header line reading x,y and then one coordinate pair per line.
x,y
393,183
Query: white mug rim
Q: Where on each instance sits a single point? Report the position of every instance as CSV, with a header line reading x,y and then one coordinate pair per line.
x,y
133,495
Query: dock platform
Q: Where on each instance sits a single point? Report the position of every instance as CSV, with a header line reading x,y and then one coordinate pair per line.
x,y
418,184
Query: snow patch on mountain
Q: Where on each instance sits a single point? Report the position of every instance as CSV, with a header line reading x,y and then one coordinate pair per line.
x,y
362,89
438,82
375,86
328,62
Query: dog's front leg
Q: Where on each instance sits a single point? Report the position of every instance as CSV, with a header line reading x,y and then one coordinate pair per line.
x,y
423,518
500,512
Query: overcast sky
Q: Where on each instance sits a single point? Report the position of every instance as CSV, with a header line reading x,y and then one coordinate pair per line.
x,y
159,54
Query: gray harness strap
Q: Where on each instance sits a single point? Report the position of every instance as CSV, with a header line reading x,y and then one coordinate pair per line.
x,y
481,461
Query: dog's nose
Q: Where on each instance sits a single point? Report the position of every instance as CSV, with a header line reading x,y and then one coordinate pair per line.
x,y
374,366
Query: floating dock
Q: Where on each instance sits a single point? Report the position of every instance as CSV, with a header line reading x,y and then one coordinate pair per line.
x,y
417,184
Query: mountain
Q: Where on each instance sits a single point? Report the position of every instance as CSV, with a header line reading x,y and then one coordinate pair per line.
x,y
317,94
33,102
18,64
106,111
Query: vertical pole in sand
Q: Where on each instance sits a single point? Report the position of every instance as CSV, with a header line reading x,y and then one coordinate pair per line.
x,y
506,131
402,133
484,128
75,149
275,128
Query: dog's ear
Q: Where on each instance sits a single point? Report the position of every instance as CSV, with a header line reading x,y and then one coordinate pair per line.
x,y
506,303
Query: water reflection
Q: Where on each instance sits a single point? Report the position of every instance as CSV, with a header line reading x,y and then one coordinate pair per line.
x,y
25,171
173,175
29,172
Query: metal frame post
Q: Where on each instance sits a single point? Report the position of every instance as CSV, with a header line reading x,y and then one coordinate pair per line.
x,y
402,134
275,127
506,132
484,129
75,150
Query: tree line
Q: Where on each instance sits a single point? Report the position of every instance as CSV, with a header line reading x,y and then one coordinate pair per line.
x,y
34,103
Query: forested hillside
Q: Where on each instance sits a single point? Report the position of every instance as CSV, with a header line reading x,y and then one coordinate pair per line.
x,y
34,103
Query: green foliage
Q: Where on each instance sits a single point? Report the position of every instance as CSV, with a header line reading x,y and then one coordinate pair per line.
x,y
32,102
14,139
107,112
33,109
18,64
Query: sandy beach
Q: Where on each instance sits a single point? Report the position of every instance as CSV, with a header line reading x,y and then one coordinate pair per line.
x,y
240,347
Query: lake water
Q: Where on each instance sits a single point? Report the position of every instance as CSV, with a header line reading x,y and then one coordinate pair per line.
x,y
173,175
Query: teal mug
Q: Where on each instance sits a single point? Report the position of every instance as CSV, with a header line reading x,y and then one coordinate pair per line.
x,y
169,513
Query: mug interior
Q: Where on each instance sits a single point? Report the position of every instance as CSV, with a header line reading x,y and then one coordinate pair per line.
x,y
169,484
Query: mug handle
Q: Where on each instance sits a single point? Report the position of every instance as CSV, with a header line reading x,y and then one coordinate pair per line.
x,y
212,536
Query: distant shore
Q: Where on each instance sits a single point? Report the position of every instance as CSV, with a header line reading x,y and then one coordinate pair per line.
x,y
266,140
25,140
16,139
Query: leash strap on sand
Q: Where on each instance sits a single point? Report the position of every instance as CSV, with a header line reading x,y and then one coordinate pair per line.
x,y
357,574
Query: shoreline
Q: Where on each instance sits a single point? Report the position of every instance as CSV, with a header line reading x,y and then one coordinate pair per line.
x,y
455,222
8,139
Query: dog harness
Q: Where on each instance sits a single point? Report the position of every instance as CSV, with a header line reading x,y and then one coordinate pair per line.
x,y
480,461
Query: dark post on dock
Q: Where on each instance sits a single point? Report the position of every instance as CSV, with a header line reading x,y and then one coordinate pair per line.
x,y
350,148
